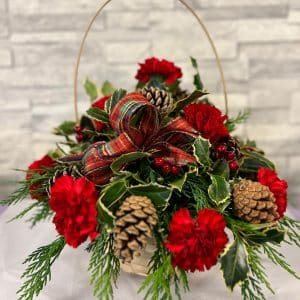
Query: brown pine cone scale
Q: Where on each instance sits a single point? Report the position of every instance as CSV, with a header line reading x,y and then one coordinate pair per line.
x,y
136,219
254,202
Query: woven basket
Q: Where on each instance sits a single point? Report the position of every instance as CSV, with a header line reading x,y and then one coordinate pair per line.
x,y
140,265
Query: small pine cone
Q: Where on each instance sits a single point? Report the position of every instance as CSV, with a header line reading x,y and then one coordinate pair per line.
x,y
159,98
254,202
136,219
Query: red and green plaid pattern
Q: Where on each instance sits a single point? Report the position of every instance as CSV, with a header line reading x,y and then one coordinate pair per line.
x,y
138,124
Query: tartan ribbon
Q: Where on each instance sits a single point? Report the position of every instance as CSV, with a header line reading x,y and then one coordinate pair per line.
x,y
137,122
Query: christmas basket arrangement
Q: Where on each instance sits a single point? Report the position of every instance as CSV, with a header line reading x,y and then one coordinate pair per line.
x,y
155,183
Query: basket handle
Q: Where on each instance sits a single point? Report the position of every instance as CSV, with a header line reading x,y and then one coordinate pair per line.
x,y
188,7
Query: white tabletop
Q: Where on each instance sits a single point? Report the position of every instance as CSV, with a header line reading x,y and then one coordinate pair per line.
x,y
70,280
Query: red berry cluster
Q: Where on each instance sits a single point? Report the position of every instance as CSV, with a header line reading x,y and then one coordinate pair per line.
x,y
78,133
225,152
165,167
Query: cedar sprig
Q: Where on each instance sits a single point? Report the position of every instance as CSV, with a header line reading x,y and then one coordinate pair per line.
x,y
292,230
162,274
239,119
104,266
38,271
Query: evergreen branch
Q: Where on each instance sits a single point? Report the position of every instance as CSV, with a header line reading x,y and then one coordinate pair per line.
x,y
162,274
38,271
17,196
104,266
42,213
292,228
24,212
239,119
278,258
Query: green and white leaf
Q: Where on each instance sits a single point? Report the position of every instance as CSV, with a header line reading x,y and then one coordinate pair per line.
x,y
197,79
98,114
201,148
66,128
234,264
219,190
179,183
105,215
124,159
115,98
159,194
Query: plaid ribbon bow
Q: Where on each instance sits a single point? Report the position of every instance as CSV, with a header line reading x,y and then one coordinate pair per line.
x,y
138,124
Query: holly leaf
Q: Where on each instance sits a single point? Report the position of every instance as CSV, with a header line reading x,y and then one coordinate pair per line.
x,y
107,88
274,235
189,99
159,194
113,192
66,128
98,114
179,183
124,159
115,98
234,264
105,215
201,148
219,190
221,168
91,89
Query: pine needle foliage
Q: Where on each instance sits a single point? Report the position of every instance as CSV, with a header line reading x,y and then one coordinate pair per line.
x,y
292,230
158,283
104,266
38,271
239,119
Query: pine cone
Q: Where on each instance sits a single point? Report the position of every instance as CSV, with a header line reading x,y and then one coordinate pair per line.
x,y
136,219
159,98
254,202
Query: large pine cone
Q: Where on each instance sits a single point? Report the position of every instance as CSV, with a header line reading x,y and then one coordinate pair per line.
x,y
159,98
254,202
136,219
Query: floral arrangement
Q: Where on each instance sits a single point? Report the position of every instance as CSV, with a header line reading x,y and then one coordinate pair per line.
x,y
158,165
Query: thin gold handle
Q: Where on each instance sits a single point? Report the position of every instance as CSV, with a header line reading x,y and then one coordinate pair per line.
x,y
81,48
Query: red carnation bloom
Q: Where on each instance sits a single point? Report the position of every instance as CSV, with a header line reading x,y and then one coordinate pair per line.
x,y
196,244
155,67
277,186
74,204
39,167
208,120
100,103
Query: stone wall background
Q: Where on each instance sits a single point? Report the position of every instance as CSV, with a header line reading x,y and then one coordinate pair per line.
x,y
258,41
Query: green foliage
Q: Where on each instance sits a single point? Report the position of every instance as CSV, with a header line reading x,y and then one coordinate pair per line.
x,y
38,271
234,264
107,88
91,89
179,182
292,228
65,129
219,190
197,79
115,98
158,284
98,114
221,168
104,266
105,216
159,194
241,118
18,195
189,99
201,198
124,159
201,148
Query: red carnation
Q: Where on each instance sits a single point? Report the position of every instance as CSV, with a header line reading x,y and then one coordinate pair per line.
x,y
155,67
277,186
208,120
100,103
196,244
74,204
39,167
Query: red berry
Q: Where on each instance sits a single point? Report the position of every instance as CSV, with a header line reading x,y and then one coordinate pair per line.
x,y
159,162
79,137
166,169
77,129
230,156
233,165
175,170
221,149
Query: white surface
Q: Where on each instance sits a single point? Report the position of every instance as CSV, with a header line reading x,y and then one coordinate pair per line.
x,y
70,280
